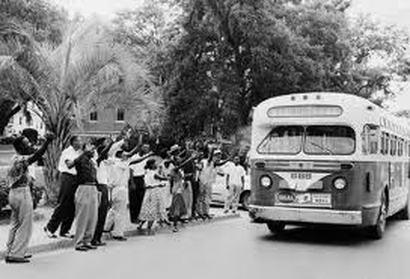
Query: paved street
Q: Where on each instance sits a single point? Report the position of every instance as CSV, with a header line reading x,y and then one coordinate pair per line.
x,y
233,249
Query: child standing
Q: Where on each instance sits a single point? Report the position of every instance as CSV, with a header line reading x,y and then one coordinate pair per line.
x,y
178,208
153,204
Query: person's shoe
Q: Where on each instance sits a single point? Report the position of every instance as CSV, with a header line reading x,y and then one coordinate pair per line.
x,y
82,248
202,217
48,233
28,256
209,217
233,211
175,229
98,243
67,235
89,246
120,238
16,260
226,211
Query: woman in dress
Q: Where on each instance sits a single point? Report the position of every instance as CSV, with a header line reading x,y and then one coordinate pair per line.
x,y
178,208
153,204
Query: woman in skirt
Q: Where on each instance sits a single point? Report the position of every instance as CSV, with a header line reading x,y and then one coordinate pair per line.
x,y
153,204
178,208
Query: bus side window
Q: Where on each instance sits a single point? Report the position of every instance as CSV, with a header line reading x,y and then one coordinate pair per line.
x,y
370,139
393,145
400,147
384,143
408,149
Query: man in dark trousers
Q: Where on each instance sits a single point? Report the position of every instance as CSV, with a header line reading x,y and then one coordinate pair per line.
x,y
137,192
64,213
102,187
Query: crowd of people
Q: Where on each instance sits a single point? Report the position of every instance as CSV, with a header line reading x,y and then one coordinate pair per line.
x,y
104,182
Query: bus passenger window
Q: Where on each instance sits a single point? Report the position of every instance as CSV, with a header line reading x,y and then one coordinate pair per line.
x,y
408,150
385,147
370,139
400,147
393,145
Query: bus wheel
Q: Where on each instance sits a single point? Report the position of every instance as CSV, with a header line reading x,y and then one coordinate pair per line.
x,y
377,230
404,214
245,200
276,227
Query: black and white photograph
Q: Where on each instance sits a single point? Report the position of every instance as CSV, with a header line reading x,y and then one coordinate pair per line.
x,y
205,139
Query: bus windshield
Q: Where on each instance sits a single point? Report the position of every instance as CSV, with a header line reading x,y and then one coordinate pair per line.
x,y
316,140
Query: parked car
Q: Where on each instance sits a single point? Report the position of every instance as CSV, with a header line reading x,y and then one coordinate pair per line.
x,y
219,192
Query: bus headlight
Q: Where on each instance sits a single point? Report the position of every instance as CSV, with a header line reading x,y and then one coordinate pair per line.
x,y
266,181
340,183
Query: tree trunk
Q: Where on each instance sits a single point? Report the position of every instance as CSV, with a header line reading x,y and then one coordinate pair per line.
x,y
62,129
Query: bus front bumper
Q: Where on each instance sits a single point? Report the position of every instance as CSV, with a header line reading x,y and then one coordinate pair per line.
x,y
263,214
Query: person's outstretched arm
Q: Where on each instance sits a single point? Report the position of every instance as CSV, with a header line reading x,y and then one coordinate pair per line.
x,y
140,159
39,153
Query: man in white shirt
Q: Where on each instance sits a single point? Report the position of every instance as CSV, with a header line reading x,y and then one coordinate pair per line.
x,y
235,182
119,175
137,192
64,213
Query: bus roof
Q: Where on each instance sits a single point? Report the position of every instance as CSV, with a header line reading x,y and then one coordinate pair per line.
x,y
326,107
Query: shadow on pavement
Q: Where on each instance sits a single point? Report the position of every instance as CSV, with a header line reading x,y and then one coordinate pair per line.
x,y
326,235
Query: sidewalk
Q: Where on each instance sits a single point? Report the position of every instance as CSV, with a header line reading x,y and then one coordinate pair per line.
x,y
41,243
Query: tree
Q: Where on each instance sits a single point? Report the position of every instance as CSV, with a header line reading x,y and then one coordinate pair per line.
x,y
235,53
44,22
87,69
150,31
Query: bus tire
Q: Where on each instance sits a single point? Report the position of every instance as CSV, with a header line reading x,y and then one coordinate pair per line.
x,y
276,227
404,214
377,231
245,200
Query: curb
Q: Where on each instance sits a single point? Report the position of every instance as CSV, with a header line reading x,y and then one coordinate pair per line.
x,y
65,243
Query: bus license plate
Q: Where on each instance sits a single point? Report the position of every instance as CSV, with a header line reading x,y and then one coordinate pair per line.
x,y
323,199
286,197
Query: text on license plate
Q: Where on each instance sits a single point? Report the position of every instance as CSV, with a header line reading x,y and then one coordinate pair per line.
x,y
305,198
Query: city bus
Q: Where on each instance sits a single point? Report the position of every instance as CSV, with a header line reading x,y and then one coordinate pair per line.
x,y
329,159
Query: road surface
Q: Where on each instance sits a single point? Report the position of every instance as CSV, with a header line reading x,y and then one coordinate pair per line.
x,y
233,249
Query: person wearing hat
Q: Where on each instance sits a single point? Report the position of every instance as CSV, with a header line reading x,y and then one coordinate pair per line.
x,y
20,199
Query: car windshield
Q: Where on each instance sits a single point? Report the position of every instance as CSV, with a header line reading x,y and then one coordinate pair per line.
x,y
316,140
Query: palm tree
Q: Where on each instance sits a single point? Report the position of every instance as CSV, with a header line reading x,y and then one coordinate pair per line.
x,y
87,69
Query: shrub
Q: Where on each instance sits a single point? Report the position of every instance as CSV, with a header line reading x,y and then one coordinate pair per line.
x,y
36,193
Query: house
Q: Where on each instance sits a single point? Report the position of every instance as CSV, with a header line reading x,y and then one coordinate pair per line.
x,y
21,121
104,122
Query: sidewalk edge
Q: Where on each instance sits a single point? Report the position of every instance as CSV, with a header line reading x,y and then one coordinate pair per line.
x,y
64,243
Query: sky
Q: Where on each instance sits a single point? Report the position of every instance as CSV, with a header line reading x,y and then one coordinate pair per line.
x,y
387,11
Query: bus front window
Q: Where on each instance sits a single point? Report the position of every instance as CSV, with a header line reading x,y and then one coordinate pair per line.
x,y
283,140
316,140
329,140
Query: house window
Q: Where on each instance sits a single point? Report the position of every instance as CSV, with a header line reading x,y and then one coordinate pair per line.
x,y
94,116
120,115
